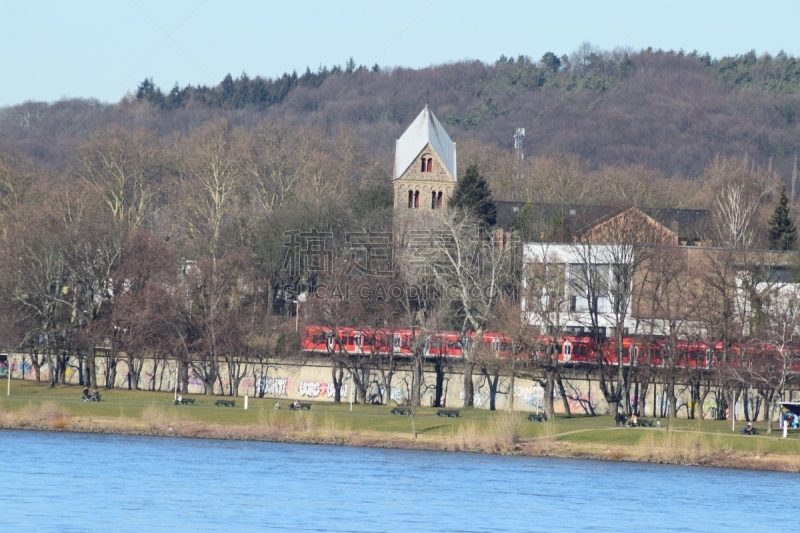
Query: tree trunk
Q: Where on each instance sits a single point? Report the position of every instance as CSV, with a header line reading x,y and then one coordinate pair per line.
x,y
511,393
492,381
416,380
613,407
337,375
549,388
133,374
92,364
469,387
768,411
563,393
439,367
51,368
37,366
673,401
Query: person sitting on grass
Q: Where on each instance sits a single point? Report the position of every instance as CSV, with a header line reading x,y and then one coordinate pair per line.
x,y
85,393
296,405
749,429
95,396
634,420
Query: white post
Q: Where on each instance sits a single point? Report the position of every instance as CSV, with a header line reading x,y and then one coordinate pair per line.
x,y
177,378
352,392
8,363
245,401
785,428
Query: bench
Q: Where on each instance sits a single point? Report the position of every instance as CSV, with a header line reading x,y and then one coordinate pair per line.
x,y
401,411
646,423
448,413
184,401
225,403
537,417
301,407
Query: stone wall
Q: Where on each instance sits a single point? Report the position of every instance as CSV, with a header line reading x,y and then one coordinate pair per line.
x,y
312,379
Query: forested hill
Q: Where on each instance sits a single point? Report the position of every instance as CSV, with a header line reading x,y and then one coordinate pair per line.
x,y
669,111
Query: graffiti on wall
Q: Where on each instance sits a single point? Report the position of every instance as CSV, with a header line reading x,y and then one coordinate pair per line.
x,y
532,396
478,399
581,400
397,394
271,387
314,389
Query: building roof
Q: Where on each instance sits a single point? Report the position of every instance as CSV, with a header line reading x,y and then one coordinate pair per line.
x,y
687,224
574,216
425,129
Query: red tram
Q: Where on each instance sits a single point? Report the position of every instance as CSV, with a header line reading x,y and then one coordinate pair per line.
x,y
571,349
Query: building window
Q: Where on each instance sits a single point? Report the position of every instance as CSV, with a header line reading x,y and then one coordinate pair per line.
x,y
427,164
416,199
410,199
430,164
423,165
433,200
439,200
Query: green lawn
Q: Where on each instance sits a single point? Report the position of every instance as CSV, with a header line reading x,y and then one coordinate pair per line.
x,y
577,430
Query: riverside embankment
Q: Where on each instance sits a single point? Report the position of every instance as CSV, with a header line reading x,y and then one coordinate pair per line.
x,y
711,443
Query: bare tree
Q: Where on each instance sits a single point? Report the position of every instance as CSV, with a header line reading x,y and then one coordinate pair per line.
x,y
470,266
546,304
123,168
740,193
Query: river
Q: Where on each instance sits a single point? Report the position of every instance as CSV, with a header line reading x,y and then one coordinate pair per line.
x,y
84,483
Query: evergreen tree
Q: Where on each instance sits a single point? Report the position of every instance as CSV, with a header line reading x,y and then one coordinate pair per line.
x,y
472,194
782,231
526,223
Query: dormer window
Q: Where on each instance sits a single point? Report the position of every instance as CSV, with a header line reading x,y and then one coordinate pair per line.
x,y
427,164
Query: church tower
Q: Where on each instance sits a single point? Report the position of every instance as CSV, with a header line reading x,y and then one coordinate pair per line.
x,y
424,165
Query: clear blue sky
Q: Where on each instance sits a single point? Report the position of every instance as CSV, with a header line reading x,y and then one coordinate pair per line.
x,y
103,49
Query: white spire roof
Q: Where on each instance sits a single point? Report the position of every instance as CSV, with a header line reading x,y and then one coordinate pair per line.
x,y
425,129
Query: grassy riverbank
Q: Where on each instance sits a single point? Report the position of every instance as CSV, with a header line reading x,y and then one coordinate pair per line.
x,y
37,406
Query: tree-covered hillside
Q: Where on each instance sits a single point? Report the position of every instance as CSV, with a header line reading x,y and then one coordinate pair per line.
x,y
668,111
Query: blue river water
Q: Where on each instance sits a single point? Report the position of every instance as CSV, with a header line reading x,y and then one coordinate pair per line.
x,y
86,483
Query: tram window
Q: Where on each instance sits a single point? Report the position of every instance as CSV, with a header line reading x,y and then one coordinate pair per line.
x,y
581,350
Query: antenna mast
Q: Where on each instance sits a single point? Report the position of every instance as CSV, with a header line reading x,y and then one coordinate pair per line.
x,y
519,136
